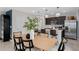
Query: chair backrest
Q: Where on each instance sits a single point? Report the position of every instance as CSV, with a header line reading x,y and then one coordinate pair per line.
x,y
43,31
53,32
17,34
63,33
36,30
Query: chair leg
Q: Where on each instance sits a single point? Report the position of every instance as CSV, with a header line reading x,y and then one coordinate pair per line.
x,y
23,46
15,47
29,49
29,46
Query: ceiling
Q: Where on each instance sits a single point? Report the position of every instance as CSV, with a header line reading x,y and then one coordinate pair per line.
x,y
34,10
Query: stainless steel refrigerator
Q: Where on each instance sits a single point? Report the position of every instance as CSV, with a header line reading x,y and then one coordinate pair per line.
x,y
71,29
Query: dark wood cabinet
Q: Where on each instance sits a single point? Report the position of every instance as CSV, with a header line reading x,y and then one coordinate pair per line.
x,y
57,20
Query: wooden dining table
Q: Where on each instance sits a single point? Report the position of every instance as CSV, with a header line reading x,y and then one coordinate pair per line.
x,y
43,42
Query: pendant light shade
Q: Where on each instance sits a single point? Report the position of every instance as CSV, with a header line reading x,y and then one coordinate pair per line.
x,y
58,13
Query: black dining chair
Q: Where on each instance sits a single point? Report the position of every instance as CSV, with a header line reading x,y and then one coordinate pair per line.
x,y
61,46
62,43
43,31
64,36
53,32
18,42
28,43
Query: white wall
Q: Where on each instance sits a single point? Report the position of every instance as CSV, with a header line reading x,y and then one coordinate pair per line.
x,y
0,27
18,19
1,24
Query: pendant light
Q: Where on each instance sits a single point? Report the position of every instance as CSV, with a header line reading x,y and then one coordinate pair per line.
x,y
58,13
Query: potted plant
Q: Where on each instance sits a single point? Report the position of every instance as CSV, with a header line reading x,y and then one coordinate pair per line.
x,y
31,24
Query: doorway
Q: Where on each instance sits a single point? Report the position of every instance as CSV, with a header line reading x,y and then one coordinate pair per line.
x,y
6,21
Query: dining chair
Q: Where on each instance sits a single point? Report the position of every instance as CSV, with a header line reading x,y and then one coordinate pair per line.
x,y
63,36
36,30
62,43
61,46
18,42
53,32
43,31
28,43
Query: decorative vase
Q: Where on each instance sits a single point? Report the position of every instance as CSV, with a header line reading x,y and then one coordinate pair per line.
x,y
32,34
